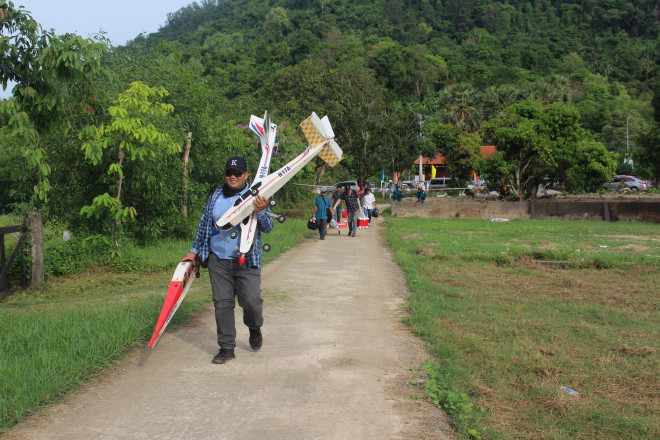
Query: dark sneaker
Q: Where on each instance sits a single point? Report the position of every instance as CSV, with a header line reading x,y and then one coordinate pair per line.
x,y
224,355
255,338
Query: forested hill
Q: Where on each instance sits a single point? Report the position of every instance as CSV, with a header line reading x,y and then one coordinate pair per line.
x,y
565,89
481,41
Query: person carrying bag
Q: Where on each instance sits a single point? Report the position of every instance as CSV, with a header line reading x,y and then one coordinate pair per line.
x,y
322,212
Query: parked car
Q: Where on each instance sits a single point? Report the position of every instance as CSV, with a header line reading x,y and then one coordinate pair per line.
x,y
352,183
631,182
550,188
439,183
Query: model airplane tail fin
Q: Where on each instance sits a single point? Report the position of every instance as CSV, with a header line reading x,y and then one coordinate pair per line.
x,y
267,133
258,127
319,131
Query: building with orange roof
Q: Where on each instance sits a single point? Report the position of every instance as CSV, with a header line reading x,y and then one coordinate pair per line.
x,y
437,167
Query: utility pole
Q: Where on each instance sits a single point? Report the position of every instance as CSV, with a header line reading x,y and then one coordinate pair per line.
x,y
627,159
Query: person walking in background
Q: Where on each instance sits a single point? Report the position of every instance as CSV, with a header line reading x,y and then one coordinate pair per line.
x,y
390,189
322,208
368,202
336,195
353,207
218,250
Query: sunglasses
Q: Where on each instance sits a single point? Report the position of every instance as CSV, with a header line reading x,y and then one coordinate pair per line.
x,y
234,173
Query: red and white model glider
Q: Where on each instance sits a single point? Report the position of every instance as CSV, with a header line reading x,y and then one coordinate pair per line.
x,y
183,277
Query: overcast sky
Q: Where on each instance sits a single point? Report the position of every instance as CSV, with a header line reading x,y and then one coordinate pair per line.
x,y
122,20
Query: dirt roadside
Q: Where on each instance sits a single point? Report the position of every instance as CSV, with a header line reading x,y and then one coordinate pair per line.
x,y
336,364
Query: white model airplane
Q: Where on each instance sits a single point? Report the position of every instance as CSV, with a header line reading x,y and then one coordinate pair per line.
x,y
321,141
267,133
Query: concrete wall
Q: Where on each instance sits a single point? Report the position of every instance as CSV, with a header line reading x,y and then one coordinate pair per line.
x,y
566,209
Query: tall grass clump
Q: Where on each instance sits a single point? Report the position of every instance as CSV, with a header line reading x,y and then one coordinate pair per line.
x,y
516,313
50,353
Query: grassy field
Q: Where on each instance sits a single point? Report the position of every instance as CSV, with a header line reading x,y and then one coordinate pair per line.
x,y
54,338
513,311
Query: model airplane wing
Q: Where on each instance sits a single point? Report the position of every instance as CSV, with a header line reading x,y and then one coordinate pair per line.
x,y
318,133
179,286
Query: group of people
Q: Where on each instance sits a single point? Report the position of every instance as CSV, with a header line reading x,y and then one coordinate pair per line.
x,y
395,192
396,195
326,208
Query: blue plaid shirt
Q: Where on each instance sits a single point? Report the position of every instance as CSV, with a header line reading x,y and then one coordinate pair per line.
x,y
202,240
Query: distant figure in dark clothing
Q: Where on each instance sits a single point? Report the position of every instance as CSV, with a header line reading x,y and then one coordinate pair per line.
x,y
421,194
336,196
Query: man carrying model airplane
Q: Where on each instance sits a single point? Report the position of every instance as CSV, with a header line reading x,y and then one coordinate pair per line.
x,y
228,239
230,278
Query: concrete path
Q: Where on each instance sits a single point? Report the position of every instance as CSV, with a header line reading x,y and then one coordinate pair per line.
x,y
336,364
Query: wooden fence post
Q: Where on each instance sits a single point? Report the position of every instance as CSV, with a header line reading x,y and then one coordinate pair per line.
x,y
186,154
37,250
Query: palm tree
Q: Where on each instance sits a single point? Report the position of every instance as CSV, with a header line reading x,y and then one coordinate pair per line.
x,y
561,88
460,105
496,99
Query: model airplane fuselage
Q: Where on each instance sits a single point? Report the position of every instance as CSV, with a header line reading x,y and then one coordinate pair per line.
x,y
179,285
267,133
320,136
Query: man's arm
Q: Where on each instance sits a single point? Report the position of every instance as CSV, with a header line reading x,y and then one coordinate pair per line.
x,y
201,241
264,220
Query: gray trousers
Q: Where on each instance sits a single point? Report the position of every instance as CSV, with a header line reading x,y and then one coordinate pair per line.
x,y
352,221
230,280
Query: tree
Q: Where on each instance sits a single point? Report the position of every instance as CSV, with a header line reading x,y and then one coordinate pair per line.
x,y
277,23
41,64
416,73
589,167
535,142
460,105
649,143
461,150
649,152
131,136
522,147
361,120
401,140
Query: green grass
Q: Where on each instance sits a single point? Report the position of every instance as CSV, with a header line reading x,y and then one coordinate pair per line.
x,y
54,338
10,241
513,311
7,220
